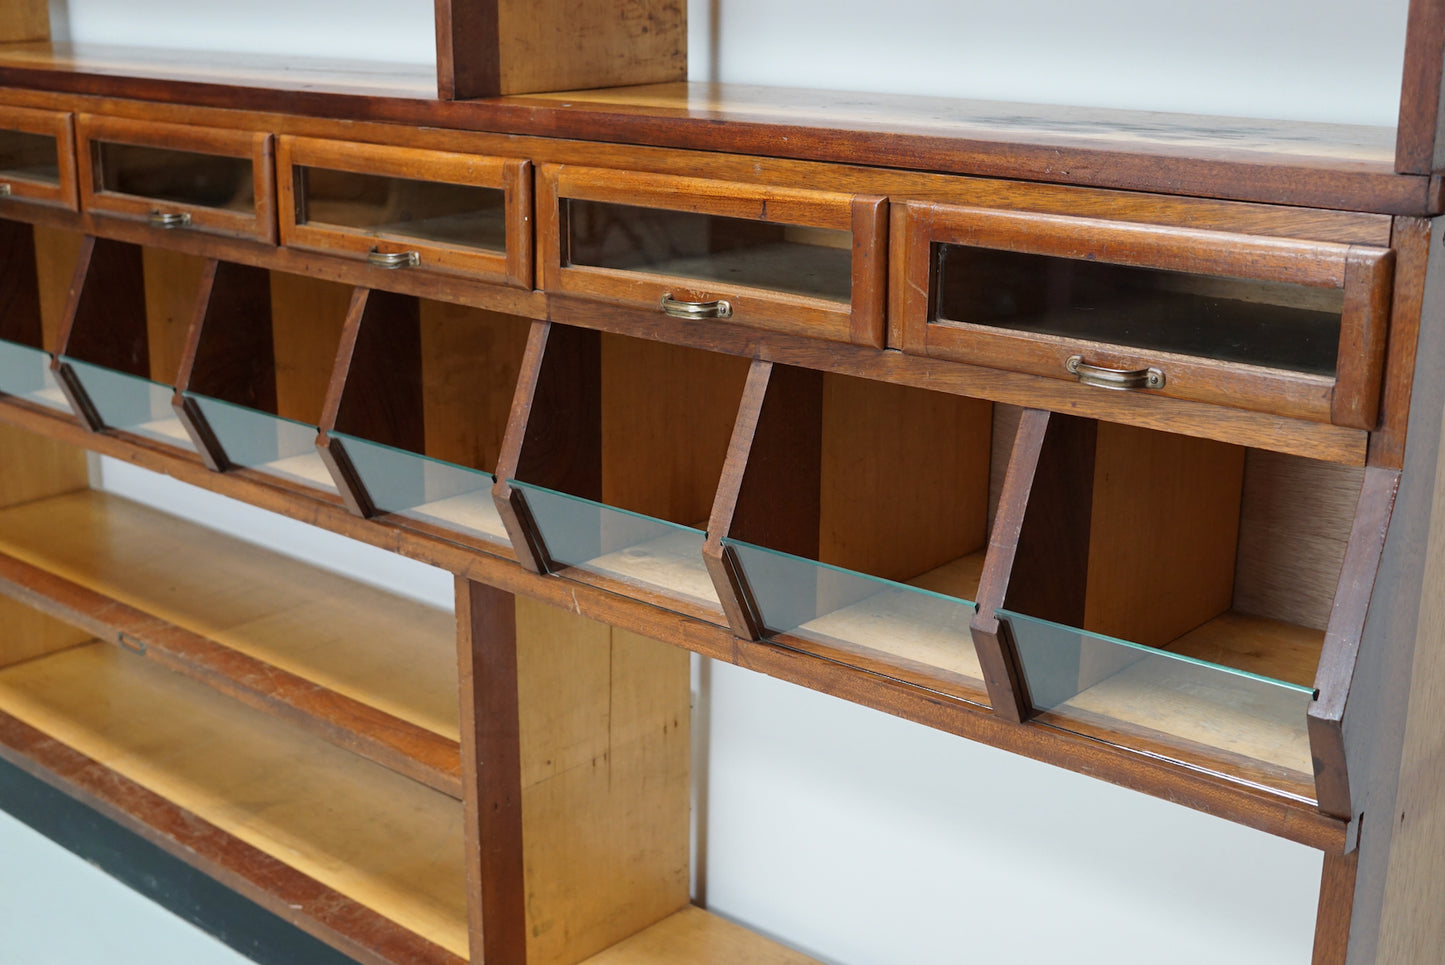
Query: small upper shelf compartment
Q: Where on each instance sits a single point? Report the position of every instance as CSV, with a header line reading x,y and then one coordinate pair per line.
x,y
1174,595
124,337
612,461
256,369
806,262
418,407
178,176
408,208
37,157
860,522
1271,324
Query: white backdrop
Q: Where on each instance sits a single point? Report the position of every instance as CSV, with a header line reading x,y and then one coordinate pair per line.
x,y
859,838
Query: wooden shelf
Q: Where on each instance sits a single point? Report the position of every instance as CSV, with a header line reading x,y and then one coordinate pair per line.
x,y
364,668
696,937
374,838
1335,166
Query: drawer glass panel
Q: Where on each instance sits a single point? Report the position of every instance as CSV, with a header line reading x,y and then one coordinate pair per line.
x,y
636,550
177,177
266,443
796,260
880,621
1165,703
34,157
25,373
423,489
1272,324
429,211
132,403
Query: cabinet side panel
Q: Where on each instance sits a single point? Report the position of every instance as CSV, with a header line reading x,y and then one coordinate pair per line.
x,y
24,20
551,45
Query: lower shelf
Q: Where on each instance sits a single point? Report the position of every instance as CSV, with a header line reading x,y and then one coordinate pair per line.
x,y
695,937
369,836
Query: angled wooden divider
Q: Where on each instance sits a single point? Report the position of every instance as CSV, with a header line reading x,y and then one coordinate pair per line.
x,y
416,412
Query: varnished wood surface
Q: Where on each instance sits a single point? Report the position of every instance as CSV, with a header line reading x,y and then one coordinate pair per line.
x,y
1209,793
1334,166
321,810
697,937
389,653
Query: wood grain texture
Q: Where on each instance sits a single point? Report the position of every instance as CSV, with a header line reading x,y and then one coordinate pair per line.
x,y
470,359
319,809
491,756
1419,144
56,253
336,633
172,280
231,353
105,319
24,188
1294,525
698,938
1332,920
30,633
605,788
511,47
25,20
307,316
20,320
1351,168
33,467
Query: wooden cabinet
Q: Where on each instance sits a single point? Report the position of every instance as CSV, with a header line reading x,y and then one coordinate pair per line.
x,y
1134,479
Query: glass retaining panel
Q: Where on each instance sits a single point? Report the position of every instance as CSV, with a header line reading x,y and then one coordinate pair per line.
x,y
814,262
132,403
899,626
1162,702
633,549
25,373
427,490
266,443
32,157
434,212
1272,324
178,177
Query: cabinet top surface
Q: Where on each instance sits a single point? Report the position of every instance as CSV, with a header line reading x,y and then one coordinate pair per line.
x,y
1291,162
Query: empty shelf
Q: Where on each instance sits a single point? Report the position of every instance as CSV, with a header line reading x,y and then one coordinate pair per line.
x,y
695,937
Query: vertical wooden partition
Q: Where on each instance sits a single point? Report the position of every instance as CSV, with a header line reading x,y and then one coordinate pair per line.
x,y
575,744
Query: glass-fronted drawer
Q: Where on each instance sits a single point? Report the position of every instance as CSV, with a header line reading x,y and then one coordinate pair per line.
x,y
406,208
805,262
37,157
178,176
1272,324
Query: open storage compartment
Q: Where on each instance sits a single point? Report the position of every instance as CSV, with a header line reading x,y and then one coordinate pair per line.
x,y
613,459
860,522
124,337
1172,595
36,267
414,425
256,370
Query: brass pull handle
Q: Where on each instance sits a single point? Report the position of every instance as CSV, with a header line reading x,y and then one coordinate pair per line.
x,y
170,219
4,189
394,259
695,310
1114,378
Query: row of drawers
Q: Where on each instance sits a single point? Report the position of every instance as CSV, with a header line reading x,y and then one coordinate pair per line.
x,y
1279,325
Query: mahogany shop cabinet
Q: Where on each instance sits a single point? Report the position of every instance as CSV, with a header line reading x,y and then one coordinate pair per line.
x,y
1120,456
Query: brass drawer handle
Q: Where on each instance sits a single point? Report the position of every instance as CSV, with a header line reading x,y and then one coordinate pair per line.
x,y
168,220
394,259
695,310
4,189
1114,378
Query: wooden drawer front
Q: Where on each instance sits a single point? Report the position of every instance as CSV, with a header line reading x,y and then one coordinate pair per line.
x,y
179,176
1271,324
37,157
405,208
805,262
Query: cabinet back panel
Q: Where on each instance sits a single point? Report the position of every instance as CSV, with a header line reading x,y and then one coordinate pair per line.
x,y
470,359
307,316
172,280
667,418
33,467
30,633
905,477
1294,526
56,252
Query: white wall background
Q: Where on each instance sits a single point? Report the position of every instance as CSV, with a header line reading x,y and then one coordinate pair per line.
x,y
859,838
